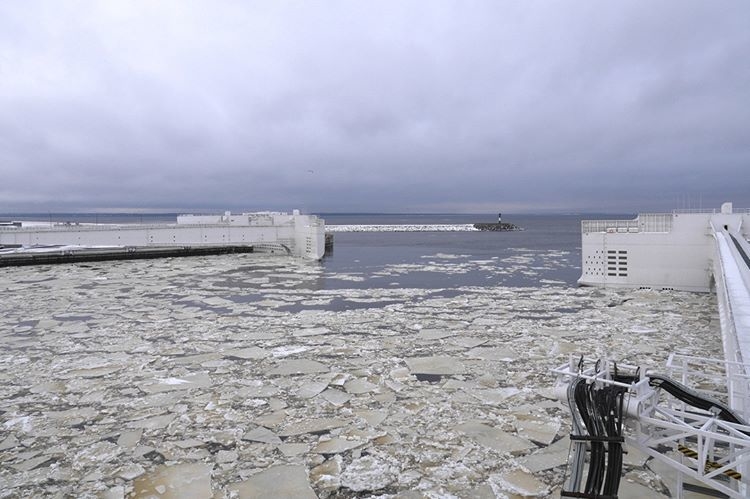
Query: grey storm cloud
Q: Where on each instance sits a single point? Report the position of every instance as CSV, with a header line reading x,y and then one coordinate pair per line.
x,y
374,106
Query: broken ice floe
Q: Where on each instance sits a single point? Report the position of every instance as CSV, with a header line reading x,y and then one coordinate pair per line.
x,y
282,482
126,378
191,480
494,438
438,365
518,483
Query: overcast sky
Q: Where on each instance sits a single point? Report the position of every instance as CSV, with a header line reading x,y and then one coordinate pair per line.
x,y
403,106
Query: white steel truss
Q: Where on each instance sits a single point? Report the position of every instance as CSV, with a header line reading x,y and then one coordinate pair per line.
x,y
705,448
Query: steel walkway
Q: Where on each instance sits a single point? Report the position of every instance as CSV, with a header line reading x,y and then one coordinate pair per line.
x,y
732,276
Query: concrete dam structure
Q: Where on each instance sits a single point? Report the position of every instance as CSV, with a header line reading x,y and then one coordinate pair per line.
x,y
293,234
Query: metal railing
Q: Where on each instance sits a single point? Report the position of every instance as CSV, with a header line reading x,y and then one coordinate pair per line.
x,y
67,227
609,226
648,222
687,211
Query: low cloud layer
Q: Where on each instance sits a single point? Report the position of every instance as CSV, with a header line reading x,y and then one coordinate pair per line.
x,y
380,106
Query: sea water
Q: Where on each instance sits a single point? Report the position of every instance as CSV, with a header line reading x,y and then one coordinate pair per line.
x,y
546,250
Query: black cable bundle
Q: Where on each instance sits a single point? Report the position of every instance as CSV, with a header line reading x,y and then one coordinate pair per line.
x,y
601,410
695,399
596,455
615,396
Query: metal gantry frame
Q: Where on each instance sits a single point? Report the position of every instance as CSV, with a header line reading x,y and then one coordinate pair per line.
x,y
705,448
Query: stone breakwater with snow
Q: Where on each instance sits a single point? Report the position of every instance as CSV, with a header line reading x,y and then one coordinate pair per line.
x,y
402,228
231,377
494,227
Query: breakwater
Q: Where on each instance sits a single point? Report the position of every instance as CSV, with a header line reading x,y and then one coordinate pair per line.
x,y
401,228
496,227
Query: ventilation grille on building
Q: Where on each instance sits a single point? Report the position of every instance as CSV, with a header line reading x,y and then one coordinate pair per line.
x,y
617,263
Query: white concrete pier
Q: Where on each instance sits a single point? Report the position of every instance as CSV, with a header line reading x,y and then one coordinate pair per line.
x,y
296,234
657,250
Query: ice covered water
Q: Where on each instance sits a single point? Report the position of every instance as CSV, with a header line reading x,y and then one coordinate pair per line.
x,y
246,373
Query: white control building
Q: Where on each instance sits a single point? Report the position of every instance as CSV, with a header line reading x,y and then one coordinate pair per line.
x,y
660,251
